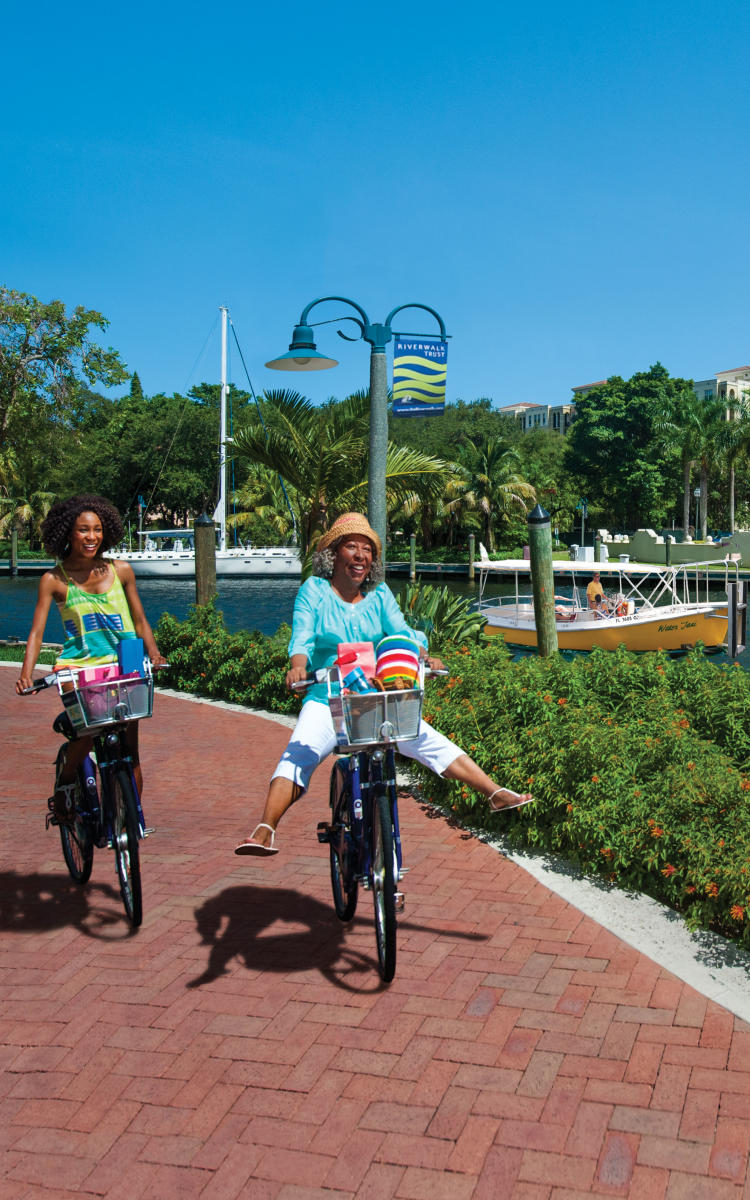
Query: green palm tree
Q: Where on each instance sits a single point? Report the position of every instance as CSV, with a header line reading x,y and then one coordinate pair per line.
x,y
489,482
322,452
262,497
22,506
691,425
734,442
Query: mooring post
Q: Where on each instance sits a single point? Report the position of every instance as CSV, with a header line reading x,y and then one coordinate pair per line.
x,y
412,557
542,581
471,558
668,550
598,548
204,532
13,562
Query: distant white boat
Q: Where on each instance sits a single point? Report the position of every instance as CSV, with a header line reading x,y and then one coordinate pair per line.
x,y
170,553
178,562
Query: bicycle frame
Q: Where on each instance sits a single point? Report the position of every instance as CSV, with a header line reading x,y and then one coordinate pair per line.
x,y
361,782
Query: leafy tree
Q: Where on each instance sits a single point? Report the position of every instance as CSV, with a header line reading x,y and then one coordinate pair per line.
x,y
44,354
442,435
614,450
136,391
542,453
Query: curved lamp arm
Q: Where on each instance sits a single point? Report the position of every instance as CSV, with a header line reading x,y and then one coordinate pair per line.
x,y
341,299
425,308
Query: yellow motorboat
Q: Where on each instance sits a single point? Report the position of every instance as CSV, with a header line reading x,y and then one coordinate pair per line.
x,y
645,607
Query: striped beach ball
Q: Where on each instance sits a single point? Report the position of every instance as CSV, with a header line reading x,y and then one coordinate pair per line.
x,y
397,657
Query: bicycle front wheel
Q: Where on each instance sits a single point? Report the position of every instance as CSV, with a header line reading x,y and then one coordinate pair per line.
x,y
343,883
384,886
124,812
75,837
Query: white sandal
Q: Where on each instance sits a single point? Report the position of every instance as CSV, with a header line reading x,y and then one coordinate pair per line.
x,y
521,799
250,846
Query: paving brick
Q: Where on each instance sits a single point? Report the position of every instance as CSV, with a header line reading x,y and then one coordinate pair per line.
x,y
240,1044
420,1184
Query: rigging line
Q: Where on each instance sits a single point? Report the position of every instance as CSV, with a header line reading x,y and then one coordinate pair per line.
x,y
260,414
191,372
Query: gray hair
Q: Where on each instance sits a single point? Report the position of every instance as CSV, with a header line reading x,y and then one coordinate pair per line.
x,y
323,563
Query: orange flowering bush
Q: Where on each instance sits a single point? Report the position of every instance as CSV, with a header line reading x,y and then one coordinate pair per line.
x,y
640,763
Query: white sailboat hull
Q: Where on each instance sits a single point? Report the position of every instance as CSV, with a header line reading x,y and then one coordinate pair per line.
x,y
165,564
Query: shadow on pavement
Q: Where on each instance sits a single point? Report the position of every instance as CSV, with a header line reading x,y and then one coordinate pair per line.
x,y
37,903
244,922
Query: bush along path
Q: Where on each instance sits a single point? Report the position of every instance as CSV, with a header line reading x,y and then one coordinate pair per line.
x,y
640,764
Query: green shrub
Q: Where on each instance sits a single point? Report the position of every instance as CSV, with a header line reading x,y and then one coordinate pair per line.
x,y
244,668
638,765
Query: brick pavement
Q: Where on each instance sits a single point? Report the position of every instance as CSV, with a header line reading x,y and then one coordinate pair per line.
x,y
240,1043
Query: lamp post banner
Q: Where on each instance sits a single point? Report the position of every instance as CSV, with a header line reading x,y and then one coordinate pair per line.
x,y
420,369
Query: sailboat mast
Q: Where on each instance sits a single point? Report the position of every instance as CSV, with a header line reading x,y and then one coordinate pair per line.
x,y
221,508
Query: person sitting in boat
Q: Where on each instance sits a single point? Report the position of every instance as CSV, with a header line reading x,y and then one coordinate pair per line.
x,y
595,596
345,600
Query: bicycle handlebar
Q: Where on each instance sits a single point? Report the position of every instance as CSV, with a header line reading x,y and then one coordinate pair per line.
x,y
319,676
51,680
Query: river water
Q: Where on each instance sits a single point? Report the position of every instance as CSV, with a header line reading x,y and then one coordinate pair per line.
x,y
261,604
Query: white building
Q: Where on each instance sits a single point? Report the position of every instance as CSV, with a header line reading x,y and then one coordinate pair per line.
x,y
731,385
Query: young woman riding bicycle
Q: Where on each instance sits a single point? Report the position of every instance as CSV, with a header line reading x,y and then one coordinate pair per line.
x,y
99,606
346,601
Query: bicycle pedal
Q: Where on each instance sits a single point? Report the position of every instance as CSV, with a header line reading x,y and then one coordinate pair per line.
x,y
403,871
149,829
400,899
324,831
50,819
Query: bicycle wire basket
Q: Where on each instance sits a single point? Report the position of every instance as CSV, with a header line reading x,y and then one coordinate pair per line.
x,y
111,702
369,718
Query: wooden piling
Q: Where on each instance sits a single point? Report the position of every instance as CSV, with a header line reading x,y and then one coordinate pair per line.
x,y
471,558
205,559
412,557
542,581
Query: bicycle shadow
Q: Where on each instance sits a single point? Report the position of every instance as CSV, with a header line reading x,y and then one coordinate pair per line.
x,y
39,903
242,922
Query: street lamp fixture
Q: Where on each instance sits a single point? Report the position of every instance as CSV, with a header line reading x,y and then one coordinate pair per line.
x,y
304,356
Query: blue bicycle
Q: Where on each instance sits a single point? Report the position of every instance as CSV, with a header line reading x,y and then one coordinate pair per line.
x,y
111,815
363,833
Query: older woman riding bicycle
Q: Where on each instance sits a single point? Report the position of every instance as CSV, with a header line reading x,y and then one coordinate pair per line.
x,y
346,600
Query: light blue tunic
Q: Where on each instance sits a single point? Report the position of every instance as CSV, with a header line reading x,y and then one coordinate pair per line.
x,y
322,619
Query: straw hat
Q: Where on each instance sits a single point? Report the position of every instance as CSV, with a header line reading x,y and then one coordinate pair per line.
x,y
345,526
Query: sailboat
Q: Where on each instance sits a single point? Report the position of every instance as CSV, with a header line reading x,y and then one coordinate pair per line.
x,y
171,552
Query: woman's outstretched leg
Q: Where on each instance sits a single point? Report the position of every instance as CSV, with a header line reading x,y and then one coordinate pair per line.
x,y
465,770
281,795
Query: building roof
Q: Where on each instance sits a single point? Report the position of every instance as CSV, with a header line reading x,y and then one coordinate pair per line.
x,y
582,387
732,371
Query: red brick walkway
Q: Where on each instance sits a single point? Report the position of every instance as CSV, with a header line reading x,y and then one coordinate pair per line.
x,y
240,1044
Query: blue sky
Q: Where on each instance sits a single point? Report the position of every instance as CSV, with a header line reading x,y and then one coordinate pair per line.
x,y
567,185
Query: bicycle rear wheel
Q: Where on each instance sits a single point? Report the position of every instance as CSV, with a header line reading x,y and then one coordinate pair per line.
x,y
124,814
384,886
75,837
343,883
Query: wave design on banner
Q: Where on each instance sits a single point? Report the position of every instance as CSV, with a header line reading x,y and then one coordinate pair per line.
x,y
420,372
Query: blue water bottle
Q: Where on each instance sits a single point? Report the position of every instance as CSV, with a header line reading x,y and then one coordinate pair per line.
x,y
357,681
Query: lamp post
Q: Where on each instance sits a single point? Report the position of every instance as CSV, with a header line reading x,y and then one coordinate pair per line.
x,y
303,356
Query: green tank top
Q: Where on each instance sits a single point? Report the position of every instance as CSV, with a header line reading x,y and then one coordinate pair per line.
x,y
94,624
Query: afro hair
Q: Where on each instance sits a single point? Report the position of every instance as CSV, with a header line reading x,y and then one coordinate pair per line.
x,y
57,526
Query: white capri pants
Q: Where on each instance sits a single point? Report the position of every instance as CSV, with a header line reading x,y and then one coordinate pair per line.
x,y
313,739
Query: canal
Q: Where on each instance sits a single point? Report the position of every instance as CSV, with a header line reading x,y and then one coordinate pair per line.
x,y
261,604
